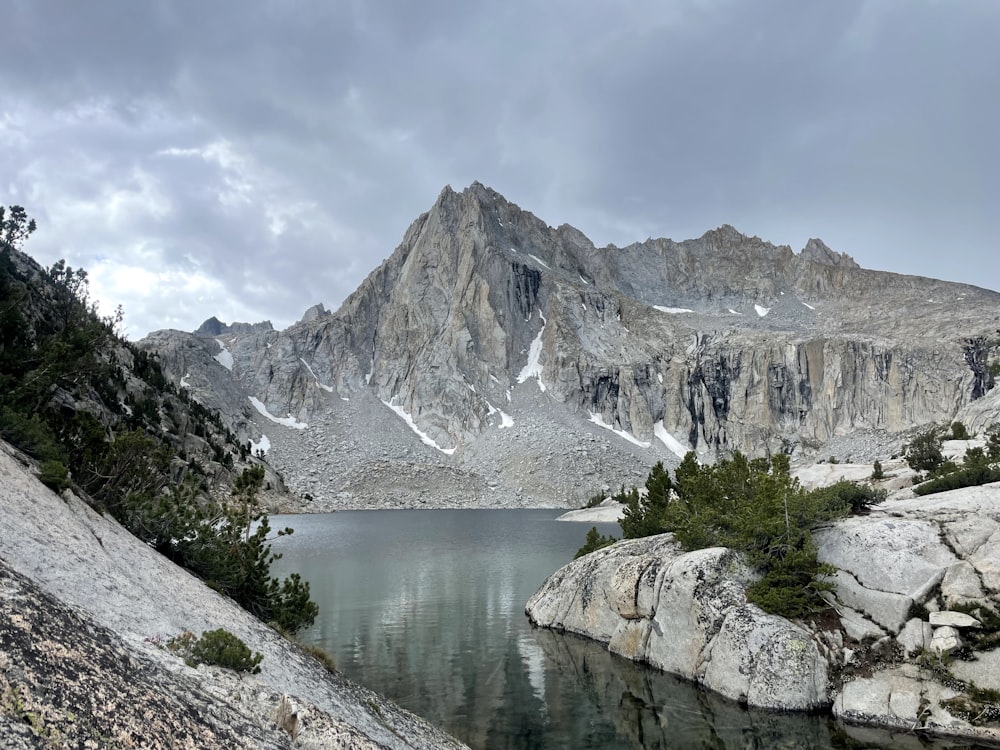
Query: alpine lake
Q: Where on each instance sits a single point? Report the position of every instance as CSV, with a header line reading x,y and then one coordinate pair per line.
x,y
426,607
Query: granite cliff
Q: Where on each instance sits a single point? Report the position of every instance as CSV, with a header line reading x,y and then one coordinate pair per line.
x,y
493,359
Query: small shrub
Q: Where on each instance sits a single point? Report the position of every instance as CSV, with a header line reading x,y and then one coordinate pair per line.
x,y
924,452
958,431
594,542
54,475
595,500
877,472
215,647
969,477
858,498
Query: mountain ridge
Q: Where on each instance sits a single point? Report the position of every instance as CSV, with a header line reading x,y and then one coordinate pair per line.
x,y
485,317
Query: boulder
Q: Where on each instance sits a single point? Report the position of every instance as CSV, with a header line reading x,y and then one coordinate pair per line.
x,y
915,636
945,640
686,613
953,619
890,698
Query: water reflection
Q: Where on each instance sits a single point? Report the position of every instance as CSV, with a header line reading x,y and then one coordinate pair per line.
x,y
427,608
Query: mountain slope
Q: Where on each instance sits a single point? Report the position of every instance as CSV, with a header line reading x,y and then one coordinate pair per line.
x,y
518,364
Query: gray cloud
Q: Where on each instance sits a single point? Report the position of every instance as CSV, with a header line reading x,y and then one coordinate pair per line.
x,y
248,159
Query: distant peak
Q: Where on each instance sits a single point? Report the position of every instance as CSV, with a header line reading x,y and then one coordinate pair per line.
x,y
316,311
817,251
211,327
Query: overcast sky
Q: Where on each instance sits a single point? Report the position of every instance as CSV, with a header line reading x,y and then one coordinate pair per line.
x,y
248,159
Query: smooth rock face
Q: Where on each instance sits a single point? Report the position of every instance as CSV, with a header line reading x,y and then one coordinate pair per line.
x,y
67,564
884,564
686,613
541,360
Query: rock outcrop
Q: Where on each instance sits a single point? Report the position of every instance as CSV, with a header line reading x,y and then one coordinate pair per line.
x,y
900,655
486,321
686,613
83,607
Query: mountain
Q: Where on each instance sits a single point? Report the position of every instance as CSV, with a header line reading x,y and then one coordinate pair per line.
x,y
494,360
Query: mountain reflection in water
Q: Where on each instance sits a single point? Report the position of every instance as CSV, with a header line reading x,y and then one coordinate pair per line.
x,y
427,608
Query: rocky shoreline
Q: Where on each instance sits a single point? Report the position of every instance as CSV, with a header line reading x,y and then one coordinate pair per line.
x,y
897,653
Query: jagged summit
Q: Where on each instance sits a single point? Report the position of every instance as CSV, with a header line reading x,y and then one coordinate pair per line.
x,y
215,327
528,366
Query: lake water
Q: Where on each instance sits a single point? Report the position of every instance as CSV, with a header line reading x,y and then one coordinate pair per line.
x,y
427,608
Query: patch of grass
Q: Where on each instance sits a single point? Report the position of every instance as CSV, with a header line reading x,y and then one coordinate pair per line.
x,y
321,655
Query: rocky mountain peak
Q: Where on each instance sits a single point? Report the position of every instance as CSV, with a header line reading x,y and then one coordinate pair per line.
x,y
504,347
817,251
316,311
211,327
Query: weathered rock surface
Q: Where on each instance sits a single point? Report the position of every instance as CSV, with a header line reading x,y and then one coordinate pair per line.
x,y
533,363
686,613
83,606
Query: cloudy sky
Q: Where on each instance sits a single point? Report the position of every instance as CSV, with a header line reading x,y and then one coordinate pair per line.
x,y
248,159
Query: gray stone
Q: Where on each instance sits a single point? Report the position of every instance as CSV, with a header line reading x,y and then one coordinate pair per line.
x,y
945,640
686,613
961,584
857,626
915,636
953,619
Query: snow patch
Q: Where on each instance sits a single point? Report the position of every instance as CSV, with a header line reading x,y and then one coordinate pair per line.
x,y
659,376
762,311
734,312
534,367
673,444
540,261
596,419
224,357
424,437
325,387
263,445
184,380
808,305
288,421
505,419
584,280
672,310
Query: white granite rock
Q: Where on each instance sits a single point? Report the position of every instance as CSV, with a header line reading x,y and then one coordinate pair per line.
x,y
945,640
915,636
953,619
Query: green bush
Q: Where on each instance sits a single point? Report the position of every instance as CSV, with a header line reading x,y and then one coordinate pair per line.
x,y
877,472
924,452
594,542
754,506
967,477
54,475
858,498
218,648
958,431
